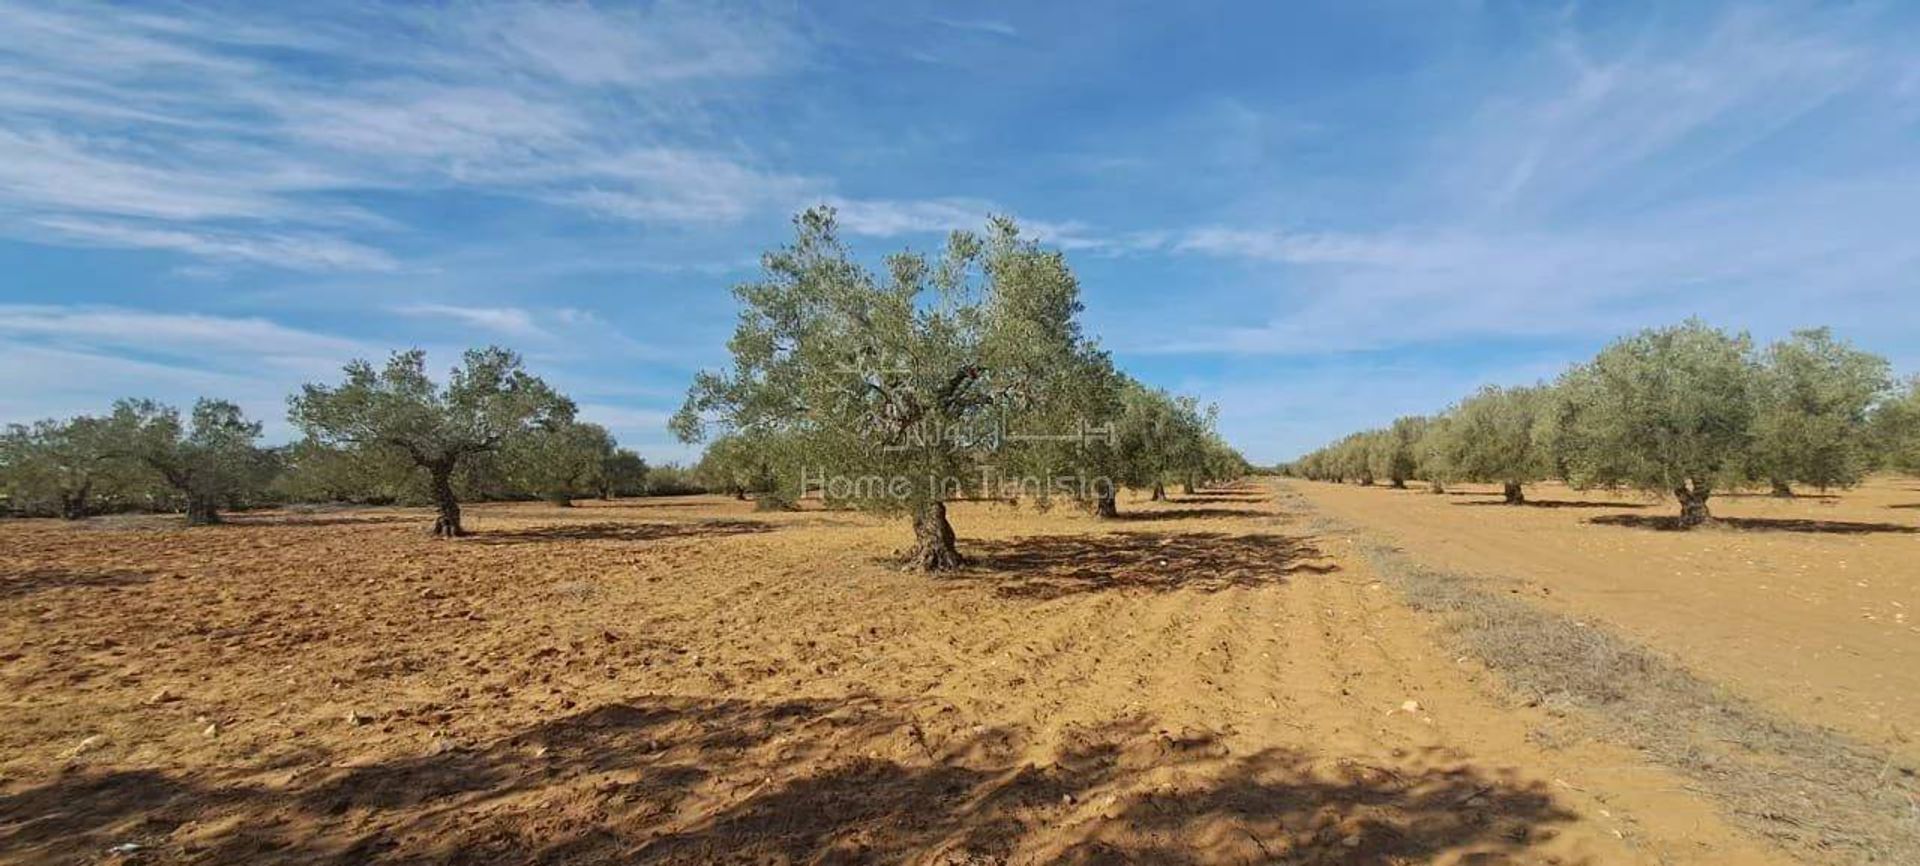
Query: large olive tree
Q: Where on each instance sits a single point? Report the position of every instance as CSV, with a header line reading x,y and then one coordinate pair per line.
x,y
396,415
1813,397
1667,409
892,390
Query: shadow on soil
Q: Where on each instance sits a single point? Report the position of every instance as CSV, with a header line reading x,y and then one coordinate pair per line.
x,y
682,781
1188,514
619,531
21,585
1556,503
1670,523
1052,566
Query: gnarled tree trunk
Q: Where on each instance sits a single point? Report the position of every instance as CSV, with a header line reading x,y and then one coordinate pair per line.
x,y
933,548
1159,492
447,523
1435,486
1693,504
1104,507
1399,483
1186,485
1782,489
1513,494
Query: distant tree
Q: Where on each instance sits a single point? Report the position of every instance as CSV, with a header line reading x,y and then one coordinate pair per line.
x,y
622,473
398,412
1431,463
1160,435
1491,438
1813,398
313,472
1668,409
559,460
738,464
58,467
210,463
894,388
1896,429
1391,452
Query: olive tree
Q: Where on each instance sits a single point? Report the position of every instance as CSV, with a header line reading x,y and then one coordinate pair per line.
x,y
738,464
1491,437
397,415
1391,453
58,467
1896,429
210,462
559,460
891,389
1667,409
1813,396
622,473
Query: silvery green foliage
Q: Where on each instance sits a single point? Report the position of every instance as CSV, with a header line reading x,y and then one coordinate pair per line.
x,y
1668,409
1813,399
909,378
1493,436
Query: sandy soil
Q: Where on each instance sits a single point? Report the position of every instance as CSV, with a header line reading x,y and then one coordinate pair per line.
x,y
686,681
1810,606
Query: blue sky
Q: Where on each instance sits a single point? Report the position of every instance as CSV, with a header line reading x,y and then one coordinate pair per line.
x,y
1318,215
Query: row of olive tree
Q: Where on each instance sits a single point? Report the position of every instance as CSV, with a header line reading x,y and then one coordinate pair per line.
x,y
491,431
961,376
1685,410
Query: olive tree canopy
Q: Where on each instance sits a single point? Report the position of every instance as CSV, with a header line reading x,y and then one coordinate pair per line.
x,y
398,411
1667,409
893,391
1811,425
59,467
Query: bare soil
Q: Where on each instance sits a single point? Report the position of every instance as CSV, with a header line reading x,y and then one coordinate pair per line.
x,y
1810,606
1210,680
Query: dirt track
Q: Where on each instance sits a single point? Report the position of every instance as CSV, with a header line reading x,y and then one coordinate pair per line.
x,y
685,681
1810,606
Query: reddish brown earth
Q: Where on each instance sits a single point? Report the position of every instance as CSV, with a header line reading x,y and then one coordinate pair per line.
x,y
686,681
1810,606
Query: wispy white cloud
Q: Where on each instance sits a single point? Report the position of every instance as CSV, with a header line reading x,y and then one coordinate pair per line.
x,y
508,321
1590,196
237,139
296,251
979,25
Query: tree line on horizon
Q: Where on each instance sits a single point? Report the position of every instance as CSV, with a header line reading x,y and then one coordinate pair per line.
x,y
1687,410
383,436
942,379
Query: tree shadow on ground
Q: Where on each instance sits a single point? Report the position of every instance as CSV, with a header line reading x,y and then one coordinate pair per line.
x,y
687,781
1052,566
1556,503
611,531
1671,523
1188,514
1767,495
1221,496
1906,505
305,520
23,584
